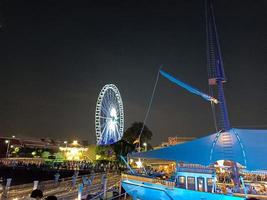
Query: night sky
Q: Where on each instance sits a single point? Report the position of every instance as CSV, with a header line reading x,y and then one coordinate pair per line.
x,y
56,55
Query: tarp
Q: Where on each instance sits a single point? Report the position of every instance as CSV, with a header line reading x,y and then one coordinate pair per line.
x,y
187,87
247,147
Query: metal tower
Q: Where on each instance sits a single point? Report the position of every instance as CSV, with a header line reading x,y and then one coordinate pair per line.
x,y
215,68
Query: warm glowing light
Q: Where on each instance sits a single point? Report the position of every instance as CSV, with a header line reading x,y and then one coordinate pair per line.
x,y
97,157
145,144
139,163
11,146
214,100
75,142
65,142
73,153
6,141
13,136
131,160
220,163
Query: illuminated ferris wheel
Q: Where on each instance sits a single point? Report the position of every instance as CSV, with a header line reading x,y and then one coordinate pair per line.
x,y
109,116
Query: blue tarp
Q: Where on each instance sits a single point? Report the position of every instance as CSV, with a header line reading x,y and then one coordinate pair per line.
x,y
187,87
247,147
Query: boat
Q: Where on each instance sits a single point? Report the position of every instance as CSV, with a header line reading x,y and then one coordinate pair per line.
x,y
196,165
149,189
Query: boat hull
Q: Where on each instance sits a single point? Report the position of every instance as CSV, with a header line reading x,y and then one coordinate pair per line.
x,y
151,191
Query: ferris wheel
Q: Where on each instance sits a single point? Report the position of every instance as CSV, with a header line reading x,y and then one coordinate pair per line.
x,y
109,116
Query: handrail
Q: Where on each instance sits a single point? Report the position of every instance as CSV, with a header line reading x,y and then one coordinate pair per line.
x,y
148,179
161,189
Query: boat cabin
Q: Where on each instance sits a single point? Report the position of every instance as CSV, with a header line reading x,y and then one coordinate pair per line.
x,y
182,175
195,177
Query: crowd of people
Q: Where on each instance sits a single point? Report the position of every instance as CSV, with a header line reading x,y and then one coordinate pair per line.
x,y
65,165
255,184
38,194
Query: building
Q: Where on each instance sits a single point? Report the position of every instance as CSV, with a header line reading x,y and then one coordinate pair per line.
x,y
174,140
9,144
179,140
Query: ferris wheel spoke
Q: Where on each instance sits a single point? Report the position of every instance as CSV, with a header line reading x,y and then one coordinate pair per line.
x,y
105,108
107,95
106,136
102,117
102,132
116,132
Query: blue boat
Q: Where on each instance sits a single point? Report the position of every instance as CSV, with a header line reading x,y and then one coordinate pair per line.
x,y
153,191
195,177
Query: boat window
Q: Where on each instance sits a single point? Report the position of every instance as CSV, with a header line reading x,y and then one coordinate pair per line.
x,y
209,184
191,183
200,184
181,182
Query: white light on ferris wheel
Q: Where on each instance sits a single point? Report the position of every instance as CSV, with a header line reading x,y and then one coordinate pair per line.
x,y
113,112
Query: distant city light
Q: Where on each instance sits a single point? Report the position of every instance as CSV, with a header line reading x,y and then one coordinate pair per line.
x,y
214,100
139,163
220,163
73,153
75,142
13,136
6,141
97,157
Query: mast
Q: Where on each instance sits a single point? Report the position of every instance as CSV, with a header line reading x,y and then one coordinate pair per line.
x,y
217,78
216,75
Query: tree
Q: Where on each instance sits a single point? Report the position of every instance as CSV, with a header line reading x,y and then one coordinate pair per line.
x,y
132,134
90,154
105,152
45,154
122,148
59,156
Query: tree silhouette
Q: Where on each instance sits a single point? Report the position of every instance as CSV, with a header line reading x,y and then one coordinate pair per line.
x,y
132,134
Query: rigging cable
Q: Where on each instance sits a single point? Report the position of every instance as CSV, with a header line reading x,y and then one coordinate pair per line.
x,y
148,110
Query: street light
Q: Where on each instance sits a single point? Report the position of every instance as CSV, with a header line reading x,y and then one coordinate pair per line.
x,y
75,142
7,149
13,136
66,143
145,145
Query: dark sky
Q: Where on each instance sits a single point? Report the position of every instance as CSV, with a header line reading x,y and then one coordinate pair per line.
x,y
56,55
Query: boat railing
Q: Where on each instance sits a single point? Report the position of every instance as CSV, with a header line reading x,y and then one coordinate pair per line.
x,y
195,170
148,180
